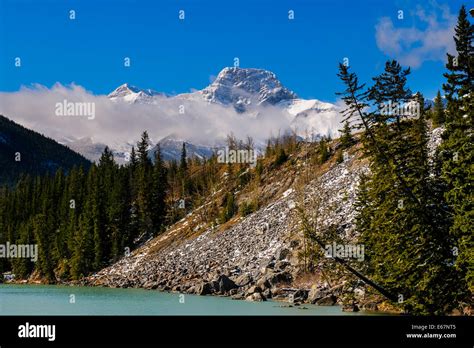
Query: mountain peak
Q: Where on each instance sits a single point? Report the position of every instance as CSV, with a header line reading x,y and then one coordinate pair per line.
x,y
245,86
133,94
123,90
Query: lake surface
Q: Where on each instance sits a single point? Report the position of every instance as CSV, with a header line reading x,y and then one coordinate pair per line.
x,y
55,300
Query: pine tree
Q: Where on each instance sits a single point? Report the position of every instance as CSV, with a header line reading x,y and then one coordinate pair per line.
x,y
82,260
281,156
438,111
43,232
457,149
133,159
461,67
160,186
184,173
22,267
346,138
97,208
119,215
402,225
230,207
324,152
144,187
183,164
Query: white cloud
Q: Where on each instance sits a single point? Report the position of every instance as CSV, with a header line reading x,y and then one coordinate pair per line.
x,y
428,39
119,124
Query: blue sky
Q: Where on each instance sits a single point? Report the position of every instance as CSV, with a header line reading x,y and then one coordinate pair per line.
x,y
174,56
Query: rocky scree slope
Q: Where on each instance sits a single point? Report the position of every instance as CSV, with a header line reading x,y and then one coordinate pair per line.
x,y
256,257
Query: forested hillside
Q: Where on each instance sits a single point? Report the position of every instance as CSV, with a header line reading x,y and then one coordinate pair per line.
x,y
411,203
23,151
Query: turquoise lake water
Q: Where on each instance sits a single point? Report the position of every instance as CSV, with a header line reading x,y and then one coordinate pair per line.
x,y
55,300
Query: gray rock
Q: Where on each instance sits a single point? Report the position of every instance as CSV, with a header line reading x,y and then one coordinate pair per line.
x,y
253,290
282,254
300,295
268,263
233,292
238,297
350,308
278,278
263,283
267,293
256,296
371,307
294,244
329,300
315,294
224,284
205,288
243,280
281,265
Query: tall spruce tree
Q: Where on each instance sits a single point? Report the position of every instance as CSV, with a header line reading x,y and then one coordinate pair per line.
x,y
347,140
457,149
144,187
408,249
160,186
438,111
183,172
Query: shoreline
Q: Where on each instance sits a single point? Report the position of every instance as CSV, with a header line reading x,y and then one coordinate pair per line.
x,y
285,303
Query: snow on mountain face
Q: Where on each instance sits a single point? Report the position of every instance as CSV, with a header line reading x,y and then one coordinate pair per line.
x,y
246,91
313,118
132,94
297,107
171,147
242,87
238,87
92,150
85,146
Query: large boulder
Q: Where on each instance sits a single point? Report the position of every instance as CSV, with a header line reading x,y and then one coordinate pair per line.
x,y
329,300
256,296
281,265
273,279
282,254
267,293
315,294
243,279
300,295
267,263
224,284
352,307
253,290
205,288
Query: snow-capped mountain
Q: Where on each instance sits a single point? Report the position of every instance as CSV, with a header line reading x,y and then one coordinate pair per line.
x,y
243,88
242,91
132,94
239,87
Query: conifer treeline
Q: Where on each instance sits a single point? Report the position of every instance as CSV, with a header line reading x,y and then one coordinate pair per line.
x,y
84,220
415,216
87,219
